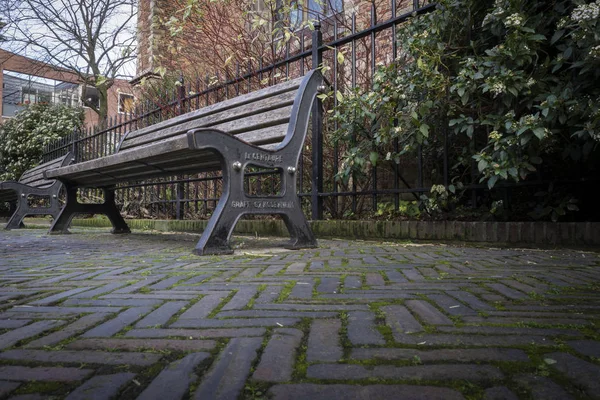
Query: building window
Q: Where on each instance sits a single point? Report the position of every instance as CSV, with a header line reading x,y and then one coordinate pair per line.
x,y
29,96
304,10
125,103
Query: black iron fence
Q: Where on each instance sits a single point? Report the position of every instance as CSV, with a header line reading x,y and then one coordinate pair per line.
x,y
349,50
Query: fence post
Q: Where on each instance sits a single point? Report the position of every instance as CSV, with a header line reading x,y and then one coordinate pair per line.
x,y
317,132
180,186
74,144
180,95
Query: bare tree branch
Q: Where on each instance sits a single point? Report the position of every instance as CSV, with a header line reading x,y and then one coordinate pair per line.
x,y
95,39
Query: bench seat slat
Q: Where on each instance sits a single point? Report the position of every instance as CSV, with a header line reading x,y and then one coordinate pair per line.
x,y
35,176
219,107
258,115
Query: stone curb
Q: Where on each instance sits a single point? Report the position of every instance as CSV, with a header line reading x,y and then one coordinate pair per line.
x,y
538,233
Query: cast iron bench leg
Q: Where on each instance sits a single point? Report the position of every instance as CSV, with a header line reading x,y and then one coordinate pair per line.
x,y
235,156
73,207
16,220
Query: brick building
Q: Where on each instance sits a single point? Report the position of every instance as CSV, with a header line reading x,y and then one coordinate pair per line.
x,y
26,81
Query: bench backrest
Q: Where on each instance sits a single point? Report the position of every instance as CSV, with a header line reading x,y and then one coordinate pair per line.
x,y
35,176
261,118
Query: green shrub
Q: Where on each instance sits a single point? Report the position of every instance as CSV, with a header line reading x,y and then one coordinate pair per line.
x,y
23,137
514,83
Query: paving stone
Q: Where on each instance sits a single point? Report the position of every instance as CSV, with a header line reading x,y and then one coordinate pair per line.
x,y
506,291
7,387
225,380
31,396
324,341
311,391
542,388
413,274
117,324
295,268
240,299
422,372
138,285
275,314
452,355
374,279
328,285
109,287
85,357
580,372
113,302
68,331
400,320
313,307
473,340
101,387
450,305
13,323
277,361
362,329
11,338
428,313
270,294
195,333
502,330
272,270
64,310
59,374
161,315
234,323
203,307
139,344
173,382
352,282
302,290
471,300
499,393
167,283
59,296
590,348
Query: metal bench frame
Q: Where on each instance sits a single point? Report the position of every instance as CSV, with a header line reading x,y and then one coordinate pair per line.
x,y
234,156
39,186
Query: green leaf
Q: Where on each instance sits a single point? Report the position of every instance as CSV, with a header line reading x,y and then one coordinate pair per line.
x,y
452,189
482,165
492,181
373,157
339,96
557,35
424,129
540,133
340,57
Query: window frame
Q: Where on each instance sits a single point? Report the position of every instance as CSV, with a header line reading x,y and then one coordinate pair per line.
x,y
119,110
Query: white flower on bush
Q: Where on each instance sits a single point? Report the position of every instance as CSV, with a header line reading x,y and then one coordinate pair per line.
x,y
595,52
497,88
586,12
513,20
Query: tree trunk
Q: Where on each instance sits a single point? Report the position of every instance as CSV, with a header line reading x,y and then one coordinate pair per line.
x,y
103,107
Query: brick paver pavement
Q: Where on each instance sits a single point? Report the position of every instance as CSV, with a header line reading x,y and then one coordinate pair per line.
x,y
98,316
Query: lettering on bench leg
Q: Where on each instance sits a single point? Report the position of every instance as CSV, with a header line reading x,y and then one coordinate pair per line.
x,y
263,157
263,204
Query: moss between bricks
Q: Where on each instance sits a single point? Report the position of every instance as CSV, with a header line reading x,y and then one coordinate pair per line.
x,y
548,233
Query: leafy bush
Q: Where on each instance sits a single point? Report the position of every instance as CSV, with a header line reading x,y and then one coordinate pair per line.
x,y
514,82
23,137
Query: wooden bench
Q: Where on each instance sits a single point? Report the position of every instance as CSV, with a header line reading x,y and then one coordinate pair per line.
x,y
265,129
33,183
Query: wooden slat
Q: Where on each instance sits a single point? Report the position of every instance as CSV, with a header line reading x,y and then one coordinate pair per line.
x,y
220,107
35,176
262,107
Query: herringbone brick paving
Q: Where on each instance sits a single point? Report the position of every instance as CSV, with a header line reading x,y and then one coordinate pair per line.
x,y
99,316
